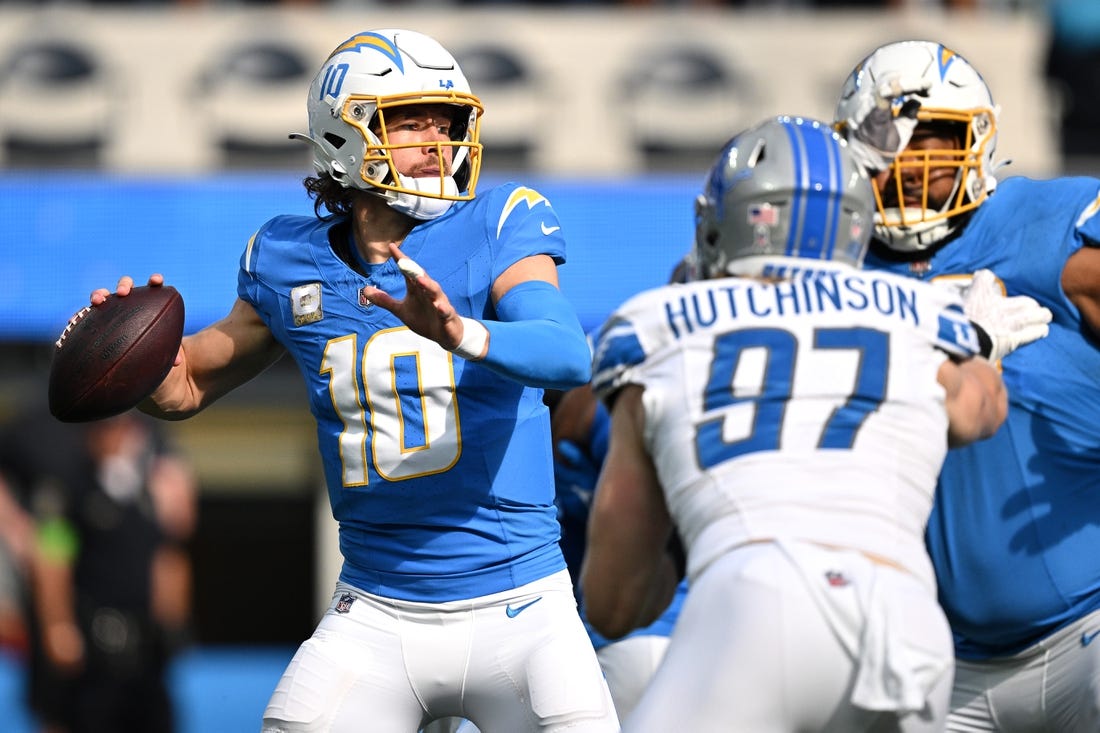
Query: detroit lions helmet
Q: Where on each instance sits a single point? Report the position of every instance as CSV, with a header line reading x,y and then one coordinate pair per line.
x,y
949,91
783,192
376,71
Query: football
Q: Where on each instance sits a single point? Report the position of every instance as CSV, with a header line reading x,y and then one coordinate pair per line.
x,y
112,356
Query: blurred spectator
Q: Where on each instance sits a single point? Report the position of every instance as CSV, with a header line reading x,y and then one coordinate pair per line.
x,y
927,4
16,538
55,65
112,508
1073,68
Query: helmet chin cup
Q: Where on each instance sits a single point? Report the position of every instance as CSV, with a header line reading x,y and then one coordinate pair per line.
x,y
425,204
926,230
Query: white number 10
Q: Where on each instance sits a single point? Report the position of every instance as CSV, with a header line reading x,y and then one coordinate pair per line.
x,y
409,386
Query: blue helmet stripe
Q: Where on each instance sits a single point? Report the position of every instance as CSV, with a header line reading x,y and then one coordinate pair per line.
x,y
794,234
819,178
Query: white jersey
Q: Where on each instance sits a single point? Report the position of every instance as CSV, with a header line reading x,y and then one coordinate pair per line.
x,y
809,408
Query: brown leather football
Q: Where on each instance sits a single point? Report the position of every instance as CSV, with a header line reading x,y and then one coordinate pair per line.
x,y
112,356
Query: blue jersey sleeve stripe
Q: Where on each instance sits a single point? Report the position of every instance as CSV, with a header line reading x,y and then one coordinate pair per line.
x,y
617,349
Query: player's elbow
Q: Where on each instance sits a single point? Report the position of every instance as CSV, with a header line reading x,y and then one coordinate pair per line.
x,y
576,367
608,607
567,360
610,619
542,353
610,630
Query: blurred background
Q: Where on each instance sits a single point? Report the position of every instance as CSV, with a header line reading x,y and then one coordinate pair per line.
x,y
152,136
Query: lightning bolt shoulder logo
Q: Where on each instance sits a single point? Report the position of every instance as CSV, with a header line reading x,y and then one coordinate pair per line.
x,y
521,195
513,611
248,253
1089,212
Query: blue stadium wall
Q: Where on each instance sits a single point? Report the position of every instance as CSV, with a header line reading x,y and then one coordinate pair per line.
x,y
64,236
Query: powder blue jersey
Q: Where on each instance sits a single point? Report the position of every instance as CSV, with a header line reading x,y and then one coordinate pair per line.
x,y
1016,523
438,470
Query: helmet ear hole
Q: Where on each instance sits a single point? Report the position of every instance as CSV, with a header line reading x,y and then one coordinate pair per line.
x,y
335,140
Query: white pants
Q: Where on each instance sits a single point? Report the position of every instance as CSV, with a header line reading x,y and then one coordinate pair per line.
x,y
1053,685
628,665
775,638
392,666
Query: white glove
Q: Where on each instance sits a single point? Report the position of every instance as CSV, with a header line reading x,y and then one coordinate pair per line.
x,y
1010,322
879,131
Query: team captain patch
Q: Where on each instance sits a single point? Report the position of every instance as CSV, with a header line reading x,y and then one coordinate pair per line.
x,y
305,304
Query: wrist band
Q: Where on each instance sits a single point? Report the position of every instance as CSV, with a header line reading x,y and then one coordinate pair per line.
x,y
475,340
985,341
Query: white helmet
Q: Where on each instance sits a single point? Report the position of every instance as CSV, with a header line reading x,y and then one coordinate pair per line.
x,y
783,192
378,70
948,90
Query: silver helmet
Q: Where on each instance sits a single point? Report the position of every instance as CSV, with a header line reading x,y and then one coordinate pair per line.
x,y
783,192
376,71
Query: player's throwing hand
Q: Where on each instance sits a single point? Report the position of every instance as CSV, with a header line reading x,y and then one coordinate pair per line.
x,y
425,309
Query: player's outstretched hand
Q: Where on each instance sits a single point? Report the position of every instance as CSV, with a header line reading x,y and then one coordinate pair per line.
x,y
144,328
123,288
426,309
1010,322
